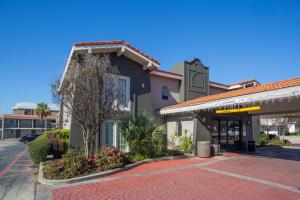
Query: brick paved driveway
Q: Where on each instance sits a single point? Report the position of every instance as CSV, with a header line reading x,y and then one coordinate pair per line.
x,y
232,176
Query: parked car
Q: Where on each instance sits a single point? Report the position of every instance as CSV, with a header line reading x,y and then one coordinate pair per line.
x,y
29,137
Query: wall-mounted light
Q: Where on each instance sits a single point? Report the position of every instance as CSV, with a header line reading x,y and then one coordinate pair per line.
x,y
142,85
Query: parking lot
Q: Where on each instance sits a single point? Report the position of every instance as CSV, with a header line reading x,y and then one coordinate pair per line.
x,y
17,179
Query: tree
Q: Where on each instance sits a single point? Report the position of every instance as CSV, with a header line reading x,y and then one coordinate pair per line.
x,y
281,124
143,135
42,111
90,93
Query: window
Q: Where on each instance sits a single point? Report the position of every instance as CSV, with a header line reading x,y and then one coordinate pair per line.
x,y
34,123
28,112
109,133
125,91
124,84
120,141
178,128
165,93
113,137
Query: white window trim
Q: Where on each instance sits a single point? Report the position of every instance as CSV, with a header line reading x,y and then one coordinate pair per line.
x,y
115,128
127,78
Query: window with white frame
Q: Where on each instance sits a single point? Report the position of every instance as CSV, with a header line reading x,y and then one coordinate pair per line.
x,y
112,135
124,84
125,91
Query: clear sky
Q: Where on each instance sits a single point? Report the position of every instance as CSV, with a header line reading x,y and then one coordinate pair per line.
x,y
237,40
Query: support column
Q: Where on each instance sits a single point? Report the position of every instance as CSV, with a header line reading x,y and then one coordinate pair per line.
x,y
200,131
3,128
249,133
256,129
45,124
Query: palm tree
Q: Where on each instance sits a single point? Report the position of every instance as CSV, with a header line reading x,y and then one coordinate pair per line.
x,y
143,135
42,111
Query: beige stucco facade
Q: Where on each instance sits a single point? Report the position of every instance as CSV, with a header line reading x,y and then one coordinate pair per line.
x,y
172,132
157,83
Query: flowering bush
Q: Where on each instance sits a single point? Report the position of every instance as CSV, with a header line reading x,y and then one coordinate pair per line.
x,y
75,163
109,158
72,164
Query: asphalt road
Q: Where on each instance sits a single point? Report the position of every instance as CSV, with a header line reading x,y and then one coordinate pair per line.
x,y
17,179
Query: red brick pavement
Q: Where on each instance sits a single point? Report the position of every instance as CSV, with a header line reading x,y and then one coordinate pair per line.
x,y
163,165
276,170
183,183
186,184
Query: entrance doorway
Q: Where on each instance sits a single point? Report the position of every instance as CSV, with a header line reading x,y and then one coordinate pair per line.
x,y
227,133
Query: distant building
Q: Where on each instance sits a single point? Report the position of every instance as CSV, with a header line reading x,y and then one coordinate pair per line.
x,y
280,124
24,120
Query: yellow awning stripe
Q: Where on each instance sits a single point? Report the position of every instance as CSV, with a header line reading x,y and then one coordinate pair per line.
x,y
238,110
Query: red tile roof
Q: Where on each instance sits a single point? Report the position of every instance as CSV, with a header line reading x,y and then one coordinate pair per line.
x,y
120,42
239,92
162,71
245,82
166,74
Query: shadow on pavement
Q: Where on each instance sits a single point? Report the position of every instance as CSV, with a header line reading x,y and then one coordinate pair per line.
x,y
287,153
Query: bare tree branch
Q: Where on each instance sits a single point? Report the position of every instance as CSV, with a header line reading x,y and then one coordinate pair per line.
x,y
91,94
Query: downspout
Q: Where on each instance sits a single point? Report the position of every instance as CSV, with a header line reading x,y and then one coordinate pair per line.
x,y
134,106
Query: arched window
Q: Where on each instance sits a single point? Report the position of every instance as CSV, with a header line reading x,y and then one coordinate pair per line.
x,y
165,93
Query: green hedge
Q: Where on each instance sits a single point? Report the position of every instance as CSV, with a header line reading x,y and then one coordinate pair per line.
x,y
264,139
54,142
39,149
62,134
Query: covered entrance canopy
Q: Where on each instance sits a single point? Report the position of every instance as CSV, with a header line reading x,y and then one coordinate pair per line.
x,y
231,118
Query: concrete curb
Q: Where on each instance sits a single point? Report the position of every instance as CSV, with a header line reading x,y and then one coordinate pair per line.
x,y
51,182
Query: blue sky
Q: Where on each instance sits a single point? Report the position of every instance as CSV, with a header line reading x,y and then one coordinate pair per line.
x,y
237,40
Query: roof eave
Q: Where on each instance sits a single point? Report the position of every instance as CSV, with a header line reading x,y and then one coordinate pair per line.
x,y
287,92
121,49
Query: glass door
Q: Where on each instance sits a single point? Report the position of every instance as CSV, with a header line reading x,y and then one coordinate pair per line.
x,y
227,133
223,134
234,135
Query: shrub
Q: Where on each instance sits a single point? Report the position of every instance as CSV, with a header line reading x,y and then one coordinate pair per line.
x,y
174,153
272,136
264,139
62,134
39,149
186,143
59,140
279,142
73,163
144,136
159,140
109,158
294,134
50,142
136,157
